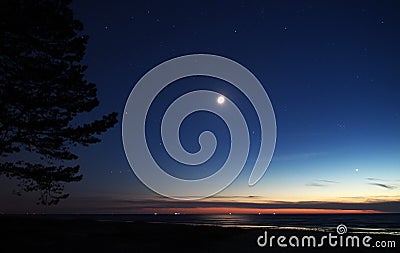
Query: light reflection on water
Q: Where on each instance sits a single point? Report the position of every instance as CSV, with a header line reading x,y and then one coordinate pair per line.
x,y
357,223
371,223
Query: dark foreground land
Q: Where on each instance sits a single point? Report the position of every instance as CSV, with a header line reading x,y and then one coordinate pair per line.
x,y
53,235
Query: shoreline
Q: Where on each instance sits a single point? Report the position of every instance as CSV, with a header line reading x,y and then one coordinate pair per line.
x,y
89,235
182,220
364,230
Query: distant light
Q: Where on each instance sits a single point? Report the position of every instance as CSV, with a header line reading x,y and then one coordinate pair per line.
x,y
221,100
356,170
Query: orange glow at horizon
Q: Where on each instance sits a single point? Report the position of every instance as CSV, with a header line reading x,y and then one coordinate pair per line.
x,y
236,210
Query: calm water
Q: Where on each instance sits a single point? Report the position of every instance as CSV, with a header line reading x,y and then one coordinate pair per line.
x,y
354,222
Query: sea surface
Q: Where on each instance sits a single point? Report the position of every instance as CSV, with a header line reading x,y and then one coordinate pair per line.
x,y
371,223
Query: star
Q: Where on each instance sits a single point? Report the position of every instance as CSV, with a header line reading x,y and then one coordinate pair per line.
x,y
341,125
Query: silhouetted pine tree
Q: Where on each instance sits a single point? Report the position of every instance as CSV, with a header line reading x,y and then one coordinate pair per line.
x,y
42,90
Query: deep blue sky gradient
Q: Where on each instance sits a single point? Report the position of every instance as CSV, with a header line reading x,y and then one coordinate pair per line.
x,y
331,69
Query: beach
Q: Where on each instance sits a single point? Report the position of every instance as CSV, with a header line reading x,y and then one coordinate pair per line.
x,y
41,234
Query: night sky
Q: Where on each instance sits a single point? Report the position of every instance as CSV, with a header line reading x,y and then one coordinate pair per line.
x,y
331,70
